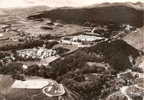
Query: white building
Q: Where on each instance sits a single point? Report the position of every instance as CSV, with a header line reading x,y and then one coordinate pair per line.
x,y
80,40
86,38
36,53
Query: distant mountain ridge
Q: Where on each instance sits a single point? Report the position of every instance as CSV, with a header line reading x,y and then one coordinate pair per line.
x,y
114,13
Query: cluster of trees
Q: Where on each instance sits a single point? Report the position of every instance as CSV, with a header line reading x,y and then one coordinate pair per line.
x,y
112,29
27,44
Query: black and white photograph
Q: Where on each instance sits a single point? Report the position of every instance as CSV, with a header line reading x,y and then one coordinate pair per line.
x,y
71,49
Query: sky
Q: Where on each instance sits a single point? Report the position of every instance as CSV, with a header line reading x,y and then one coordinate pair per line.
x,y
55,3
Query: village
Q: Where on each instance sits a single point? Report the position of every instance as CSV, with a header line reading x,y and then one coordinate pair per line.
x,y
89,37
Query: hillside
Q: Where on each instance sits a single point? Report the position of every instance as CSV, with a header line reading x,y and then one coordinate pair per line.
x,y
117,13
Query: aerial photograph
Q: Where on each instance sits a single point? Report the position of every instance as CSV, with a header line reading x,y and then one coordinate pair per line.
x,y
71,49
